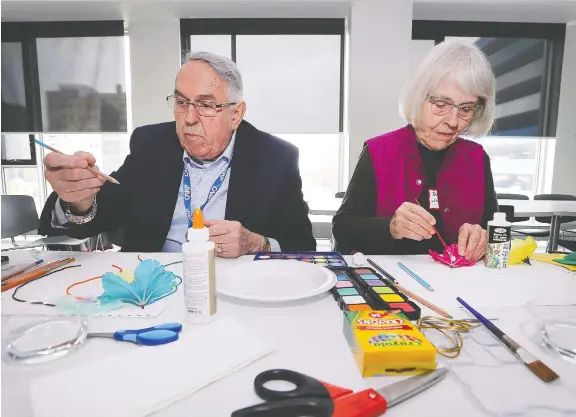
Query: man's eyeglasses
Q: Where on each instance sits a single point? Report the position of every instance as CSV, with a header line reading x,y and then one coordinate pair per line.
x,y
204,107
442,106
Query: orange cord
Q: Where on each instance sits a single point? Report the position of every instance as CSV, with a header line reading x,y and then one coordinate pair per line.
x,y
84,282
78,283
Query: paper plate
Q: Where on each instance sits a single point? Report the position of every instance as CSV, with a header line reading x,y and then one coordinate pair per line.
x,y
273,280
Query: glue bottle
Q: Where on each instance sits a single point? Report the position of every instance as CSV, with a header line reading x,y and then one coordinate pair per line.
x,y
199,272
499,241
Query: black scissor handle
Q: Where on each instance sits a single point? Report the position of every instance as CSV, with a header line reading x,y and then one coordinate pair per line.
x,y
296,407
306,387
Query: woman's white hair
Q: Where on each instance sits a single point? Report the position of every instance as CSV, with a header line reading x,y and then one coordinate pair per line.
x,y
457,64
224,67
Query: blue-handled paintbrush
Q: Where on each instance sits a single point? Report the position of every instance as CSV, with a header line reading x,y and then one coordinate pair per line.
x,y
534,364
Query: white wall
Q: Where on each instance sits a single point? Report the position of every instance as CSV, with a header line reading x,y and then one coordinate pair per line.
x,y
154,62
380,36
564,180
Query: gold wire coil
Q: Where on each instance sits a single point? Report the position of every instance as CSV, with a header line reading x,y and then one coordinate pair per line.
x,y
451,330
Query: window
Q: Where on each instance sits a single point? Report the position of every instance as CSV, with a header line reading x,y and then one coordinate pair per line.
x,y
518,66
291,82
526,60
14,113
320,175
292,70
82,84
24,181
64,76
17,149
61,77
514,163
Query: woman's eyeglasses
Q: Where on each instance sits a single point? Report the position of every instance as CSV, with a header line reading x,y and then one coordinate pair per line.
x,y
442,106
205,108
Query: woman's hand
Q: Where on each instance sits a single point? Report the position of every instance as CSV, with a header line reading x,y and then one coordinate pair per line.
x,y
412,222
472,241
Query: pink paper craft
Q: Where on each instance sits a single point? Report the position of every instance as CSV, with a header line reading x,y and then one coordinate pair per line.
x,y
454,261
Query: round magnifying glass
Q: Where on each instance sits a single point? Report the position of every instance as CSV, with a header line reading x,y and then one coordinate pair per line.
x,y
560,336
555,316
45,340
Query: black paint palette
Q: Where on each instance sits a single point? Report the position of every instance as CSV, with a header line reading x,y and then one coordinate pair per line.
x,y
327,259
363,289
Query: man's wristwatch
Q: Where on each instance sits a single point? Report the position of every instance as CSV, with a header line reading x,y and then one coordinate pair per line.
x,y
79,218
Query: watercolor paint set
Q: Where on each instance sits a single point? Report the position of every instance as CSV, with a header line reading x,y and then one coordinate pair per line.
x,y
326,259
363,289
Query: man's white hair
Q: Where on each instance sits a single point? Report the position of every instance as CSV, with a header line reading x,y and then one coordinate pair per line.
x,y
224,67
457,64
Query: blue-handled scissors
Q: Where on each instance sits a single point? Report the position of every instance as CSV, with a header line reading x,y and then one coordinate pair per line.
x,y
150,336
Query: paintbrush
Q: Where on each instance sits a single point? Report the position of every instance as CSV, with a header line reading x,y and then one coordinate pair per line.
x,y
89,168
536,366
452,257
382,271
35,273
20,270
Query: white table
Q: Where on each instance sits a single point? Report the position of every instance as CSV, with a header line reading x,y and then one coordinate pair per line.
x,y
307,337
543,208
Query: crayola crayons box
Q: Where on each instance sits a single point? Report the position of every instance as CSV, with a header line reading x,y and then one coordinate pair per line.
x,y
387,344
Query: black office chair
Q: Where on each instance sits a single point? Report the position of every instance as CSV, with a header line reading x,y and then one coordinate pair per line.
x,y
19,217
505,196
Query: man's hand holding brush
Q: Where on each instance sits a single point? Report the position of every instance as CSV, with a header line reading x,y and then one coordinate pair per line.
x,y
71,180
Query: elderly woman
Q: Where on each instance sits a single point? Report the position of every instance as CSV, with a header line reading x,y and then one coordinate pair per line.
x,y
452,93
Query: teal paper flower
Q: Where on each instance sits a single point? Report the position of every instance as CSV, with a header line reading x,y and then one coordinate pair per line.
x,y
150,283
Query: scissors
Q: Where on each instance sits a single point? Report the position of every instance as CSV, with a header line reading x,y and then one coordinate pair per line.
x,y
314,398
150,336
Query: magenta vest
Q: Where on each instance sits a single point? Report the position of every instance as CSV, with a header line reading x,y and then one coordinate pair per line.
x,y
400,177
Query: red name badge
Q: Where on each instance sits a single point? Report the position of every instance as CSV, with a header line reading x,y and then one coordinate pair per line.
x,y
433,199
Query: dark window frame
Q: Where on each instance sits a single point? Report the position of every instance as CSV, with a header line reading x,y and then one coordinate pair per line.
x,y
248,26
26,33
552,33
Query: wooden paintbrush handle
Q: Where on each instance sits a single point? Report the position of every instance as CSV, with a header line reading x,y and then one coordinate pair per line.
x,y
29,276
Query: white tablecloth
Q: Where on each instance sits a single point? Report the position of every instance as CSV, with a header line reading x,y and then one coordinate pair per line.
x,y
307,336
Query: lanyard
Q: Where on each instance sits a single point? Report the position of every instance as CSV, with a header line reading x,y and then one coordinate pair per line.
x,y
187,190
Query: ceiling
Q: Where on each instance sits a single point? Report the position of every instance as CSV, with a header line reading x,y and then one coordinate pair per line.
x,y
553,11
543,11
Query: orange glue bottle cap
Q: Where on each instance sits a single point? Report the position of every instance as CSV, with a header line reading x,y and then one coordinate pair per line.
x,y
198,232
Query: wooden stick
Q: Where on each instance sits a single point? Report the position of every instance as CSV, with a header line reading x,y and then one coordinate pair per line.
x,y
36,273
423,301
89,168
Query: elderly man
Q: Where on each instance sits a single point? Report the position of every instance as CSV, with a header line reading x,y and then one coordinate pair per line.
x,y
246,182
